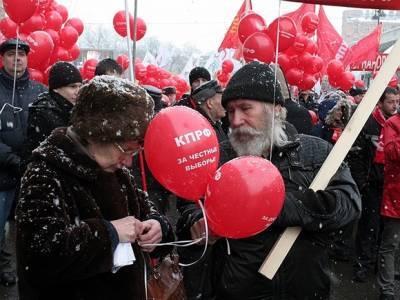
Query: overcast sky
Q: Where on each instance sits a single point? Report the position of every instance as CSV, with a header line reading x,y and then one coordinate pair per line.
x,y
203,23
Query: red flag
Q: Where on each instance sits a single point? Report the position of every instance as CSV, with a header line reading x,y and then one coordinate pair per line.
x,y
298,14
365,49
330,43
377,4
231,39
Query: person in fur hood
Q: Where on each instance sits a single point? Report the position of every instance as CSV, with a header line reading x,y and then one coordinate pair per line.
x,y
79,202
334,113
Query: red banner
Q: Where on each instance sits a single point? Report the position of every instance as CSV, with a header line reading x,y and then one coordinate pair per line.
x,y
376,4
366,49
329,41
231,39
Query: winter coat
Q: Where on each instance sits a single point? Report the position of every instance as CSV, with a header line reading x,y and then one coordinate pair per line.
x,y
49,111
391,189
298,116
65,241
235,276
13,124
361,157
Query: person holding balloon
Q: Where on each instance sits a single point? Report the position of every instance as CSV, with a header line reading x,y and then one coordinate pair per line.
x,y
79,206
17,91
254,104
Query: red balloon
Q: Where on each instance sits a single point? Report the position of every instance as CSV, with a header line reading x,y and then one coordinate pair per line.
x,y
314,117
53,20
123,61
309,22
315,65
140,71
74,53
192,147
41,47
294,76
284,61
346,81
36,75
20,10
119,22
34,23
394,82
55,36
76,23
359,83
62,10
8,27
244,197
89,67
259,46
44,5
222,77
308,82
227,66
300,43
152,70
333,82
335,69
249,24
141,29
311,47
68,37
305,60
287,32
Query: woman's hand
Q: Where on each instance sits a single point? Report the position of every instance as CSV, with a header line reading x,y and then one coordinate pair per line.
x,y
128,229
151,234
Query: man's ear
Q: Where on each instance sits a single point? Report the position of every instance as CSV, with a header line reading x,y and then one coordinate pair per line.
x,y
209,103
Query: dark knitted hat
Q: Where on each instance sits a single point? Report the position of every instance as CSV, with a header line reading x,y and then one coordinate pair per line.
x,y
199,72
12,43
110,109
169,90
253,81
156,95
357,91
62,74
206,91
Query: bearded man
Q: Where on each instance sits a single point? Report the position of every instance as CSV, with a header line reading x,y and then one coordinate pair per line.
x,y
254,104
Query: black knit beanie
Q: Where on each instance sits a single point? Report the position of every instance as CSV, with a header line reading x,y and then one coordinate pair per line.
x,y
62,74
199,72
253,81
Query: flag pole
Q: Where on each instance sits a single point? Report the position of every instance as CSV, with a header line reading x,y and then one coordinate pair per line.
x,y
128,42
134,36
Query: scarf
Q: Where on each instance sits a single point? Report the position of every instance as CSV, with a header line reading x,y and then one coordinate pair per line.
x,y
379,151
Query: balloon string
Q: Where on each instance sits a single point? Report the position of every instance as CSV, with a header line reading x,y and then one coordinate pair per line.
x,y
15,68
275,80
187,243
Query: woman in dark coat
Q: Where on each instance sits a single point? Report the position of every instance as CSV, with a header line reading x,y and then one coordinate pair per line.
x,y
78,202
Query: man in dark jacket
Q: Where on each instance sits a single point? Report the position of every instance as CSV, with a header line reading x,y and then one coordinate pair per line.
x,y
251,99
197,77
16,93
52,109
366,164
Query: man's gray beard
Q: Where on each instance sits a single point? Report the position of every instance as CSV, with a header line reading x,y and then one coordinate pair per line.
x,y
249,141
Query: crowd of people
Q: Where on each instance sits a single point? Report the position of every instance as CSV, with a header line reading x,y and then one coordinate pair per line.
x,y
72,163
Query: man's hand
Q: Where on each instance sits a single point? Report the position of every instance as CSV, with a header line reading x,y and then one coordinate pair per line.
x,y
128,229
151,234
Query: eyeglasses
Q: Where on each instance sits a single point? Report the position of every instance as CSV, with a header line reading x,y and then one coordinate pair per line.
x,y
128,152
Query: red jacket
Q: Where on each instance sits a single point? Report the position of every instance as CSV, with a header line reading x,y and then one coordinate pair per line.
x,y
391,190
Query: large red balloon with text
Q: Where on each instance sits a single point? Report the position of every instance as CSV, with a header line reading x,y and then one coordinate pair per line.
x,y
259,46
181,150
20,10
377,4
244,197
